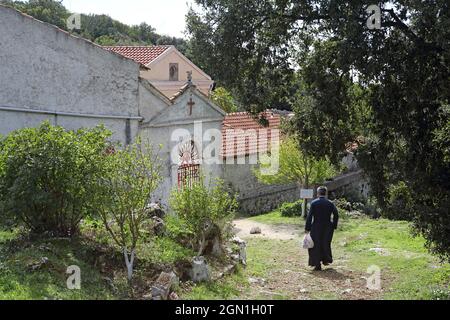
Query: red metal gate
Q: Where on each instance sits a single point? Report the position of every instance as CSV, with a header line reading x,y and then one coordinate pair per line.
x,y
188,174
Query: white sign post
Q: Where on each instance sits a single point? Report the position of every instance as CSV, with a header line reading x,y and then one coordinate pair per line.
x,y
306,194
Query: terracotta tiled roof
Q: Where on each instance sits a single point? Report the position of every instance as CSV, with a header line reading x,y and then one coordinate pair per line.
x,y
140,54
351,147
249,135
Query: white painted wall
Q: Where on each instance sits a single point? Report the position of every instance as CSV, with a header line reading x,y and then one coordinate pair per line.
x,y
45,69
163,130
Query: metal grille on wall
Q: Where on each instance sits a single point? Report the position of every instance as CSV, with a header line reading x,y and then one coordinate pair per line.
x,y
189,169
188,174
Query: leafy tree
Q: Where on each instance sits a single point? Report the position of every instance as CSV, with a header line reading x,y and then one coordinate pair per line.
x,y
49,177
224,100
296,166
107,40
50,11
223,43
101,29
204,208
326,120
133,175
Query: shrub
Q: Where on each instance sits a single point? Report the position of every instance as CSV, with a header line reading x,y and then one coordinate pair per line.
x,y
372,208
353,195
204,208
342,204
291,209
48,176
400,203
176,230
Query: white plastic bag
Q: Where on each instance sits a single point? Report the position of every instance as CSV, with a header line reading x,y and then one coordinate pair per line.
x,y
308,242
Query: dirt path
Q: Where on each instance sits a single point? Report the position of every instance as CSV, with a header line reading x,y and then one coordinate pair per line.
x,y
287,275
276,232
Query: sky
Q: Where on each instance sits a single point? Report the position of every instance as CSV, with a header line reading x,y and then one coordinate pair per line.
x,y
166,16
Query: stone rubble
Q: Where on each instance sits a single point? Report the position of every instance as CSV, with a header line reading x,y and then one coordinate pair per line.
x,y
164,285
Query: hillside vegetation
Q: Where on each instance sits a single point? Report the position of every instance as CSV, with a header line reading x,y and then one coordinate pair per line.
x,y
101,29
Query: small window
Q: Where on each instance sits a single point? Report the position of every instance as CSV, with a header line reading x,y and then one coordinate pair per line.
x,y
173,72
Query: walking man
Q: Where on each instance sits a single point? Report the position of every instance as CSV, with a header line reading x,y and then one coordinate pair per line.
x,y
321,222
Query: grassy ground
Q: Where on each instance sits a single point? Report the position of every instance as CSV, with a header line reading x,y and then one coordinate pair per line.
x,y
24,276
277,268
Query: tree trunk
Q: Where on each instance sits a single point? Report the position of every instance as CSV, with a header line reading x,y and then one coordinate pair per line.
x,y
129,262
201,245
305,202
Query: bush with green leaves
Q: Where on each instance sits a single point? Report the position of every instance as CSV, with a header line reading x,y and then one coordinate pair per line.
x,y
400,203
291,209
342,204
203,207
224,100
176,230
49,177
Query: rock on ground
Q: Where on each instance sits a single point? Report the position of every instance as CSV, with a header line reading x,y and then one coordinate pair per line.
x,y
200,271
164,285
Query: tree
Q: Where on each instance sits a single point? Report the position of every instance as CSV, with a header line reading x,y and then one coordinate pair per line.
x,y
99,28
133,175
330,109
224,100
296,166
50,11
222,43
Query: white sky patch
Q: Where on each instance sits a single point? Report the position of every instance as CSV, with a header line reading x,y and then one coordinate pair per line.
x,y
166,16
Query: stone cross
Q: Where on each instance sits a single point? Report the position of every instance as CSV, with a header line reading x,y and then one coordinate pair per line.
x,y
190,103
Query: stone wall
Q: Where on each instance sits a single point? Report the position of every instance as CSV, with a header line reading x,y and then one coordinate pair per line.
x,y
45,73
255,197
350,185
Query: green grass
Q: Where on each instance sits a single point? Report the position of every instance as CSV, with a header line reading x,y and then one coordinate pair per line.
x,y
227,288
102,272
19,282
408,270
414,272
164,251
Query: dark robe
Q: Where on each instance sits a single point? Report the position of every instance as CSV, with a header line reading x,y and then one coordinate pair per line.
x,y
322,227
